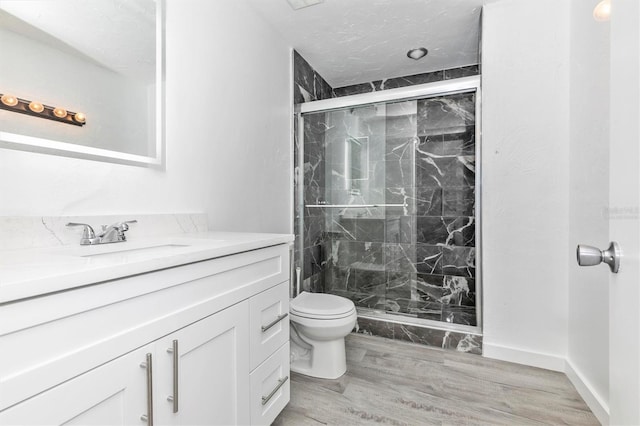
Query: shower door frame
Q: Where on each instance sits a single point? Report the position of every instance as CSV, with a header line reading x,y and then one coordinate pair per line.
x,y
421,91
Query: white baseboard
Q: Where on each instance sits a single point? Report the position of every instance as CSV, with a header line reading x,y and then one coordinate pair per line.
x,y
519,356
555,363
595,402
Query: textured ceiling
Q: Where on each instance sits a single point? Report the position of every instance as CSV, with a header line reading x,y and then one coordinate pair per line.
x,y
356,41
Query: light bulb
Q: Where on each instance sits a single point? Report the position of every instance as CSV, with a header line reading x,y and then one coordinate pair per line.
x,y
417,53
80,117
602,11
9,100
36,106
60,112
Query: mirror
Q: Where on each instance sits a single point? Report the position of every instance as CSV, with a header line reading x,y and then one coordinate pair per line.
x,y
102,58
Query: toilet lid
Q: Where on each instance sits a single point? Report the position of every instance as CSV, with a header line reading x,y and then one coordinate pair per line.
x,y
320,304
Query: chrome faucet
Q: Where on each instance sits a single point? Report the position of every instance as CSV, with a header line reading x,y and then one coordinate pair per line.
x,y
110,234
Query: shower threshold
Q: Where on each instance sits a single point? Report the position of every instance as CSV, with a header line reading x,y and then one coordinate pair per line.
x,y
403,319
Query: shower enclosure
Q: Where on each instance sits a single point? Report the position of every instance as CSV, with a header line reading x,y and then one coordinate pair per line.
x,y
387,202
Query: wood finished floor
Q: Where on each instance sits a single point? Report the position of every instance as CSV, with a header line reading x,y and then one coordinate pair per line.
x,y
398,383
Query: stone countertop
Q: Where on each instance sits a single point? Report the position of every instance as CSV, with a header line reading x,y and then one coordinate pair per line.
x,y
29,273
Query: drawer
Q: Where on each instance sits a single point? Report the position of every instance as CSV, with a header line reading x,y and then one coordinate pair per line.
x,y
270,387
269,322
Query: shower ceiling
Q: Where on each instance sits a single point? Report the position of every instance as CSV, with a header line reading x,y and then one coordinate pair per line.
x,y
356,41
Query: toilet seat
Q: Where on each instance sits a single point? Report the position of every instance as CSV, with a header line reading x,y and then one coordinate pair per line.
x,y
321,306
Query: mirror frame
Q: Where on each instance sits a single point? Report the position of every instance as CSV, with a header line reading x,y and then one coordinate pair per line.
x,y
46,146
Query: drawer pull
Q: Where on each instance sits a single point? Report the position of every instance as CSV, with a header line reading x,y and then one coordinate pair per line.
x,y
281,382
274,322
148,365
176,362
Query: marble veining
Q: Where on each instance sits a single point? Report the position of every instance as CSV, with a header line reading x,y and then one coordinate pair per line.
x,y
49,231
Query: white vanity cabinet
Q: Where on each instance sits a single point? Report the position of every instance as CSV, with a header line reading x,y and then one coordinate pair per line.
x,y
215,334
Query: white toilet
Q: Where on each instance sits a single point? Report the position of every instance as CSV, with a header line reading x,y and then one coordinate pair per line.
x,y
319,324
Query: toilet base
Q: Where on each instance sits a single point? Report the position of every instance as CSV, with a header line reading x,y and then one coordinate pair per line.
x,y
327,359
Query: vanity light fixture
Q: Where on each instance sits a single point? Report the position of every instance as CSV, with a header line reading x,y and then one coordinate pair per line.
x,y
602,11
417,53
37,109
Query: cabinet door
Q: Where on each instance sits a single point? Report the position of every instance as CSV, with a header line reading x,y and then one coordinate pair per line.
x,y
112,394
212,371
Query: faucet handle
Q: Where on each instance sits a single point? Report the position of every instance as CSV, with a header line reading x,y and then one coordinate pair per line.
x,y
87,231
88,234
125,225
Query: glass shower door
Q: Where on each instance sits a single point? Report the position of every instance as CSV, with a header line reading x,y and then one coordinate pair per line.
x,y
388,212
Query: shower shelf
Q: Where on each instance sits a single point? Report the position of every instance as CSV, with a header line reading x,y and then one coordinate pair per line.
x,y
354,206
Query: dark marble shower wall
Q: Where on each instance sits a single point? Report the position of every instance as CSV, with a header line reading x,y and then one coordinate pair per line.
x,y
410,80
417,260
308,86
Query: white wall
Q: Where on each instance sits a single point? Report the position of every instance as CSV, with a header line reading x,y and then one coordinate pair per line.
x,y
228,143
526,140
588,350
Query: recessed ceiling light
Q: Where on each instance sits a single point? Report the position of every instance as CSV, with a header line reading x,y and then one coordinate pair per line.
x,y
300,4
417,53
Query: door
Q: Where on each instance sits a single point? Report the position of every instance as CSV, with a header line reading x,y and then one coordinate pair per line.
x,y
624,287
112,394
212,371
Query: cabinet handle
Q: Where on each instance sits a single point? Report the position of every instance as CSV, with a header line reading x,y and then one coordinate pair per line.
x,y
176,358
148,365
274,322
281,382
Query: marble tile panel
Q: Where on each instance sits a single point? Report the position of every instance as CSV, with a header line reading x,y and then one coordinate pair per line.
x,y
308,84
314,230
459,261
450,111
393,83
400,195
429,259
343,228
401,120
458,201
441,171
461,231
398,174
400,148
460,142
460,72
370,281
339,279
400,258
429,201
461,291
430,288
431,230
356,89
455,314
399,228
375,328
356,254
370,230
314,193
399,288
313,260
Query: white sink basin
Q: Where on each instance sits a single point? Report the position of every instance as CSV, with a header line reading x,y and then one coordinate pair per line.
x,y
159,250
